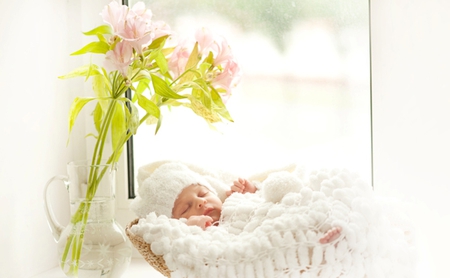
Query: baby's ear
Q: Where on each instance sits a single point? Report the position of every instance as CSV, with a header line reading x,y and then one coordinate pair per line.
x,y
278,184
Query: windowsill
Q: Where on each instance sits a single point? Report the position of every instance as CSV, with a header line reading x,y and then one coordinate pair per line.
x,y
138,268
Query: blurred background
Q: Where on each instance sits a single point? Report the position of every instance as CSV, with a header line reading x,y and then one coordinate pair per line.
x,y
304,95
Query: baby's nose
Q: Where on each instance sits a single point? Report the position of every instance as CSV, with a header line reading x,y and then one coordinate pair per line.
x,y
201,203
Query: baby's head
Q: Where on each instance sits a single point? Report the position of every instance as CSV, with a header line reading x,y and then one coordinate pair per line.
x,y
176,191
197,199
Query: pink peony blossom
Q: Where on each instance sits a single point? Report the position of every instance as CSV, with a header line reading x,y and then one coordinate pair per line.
x,y
119,58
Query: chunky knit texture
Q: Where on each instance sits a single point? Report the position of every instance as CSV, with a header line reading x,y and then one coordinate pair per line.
x,y
262,235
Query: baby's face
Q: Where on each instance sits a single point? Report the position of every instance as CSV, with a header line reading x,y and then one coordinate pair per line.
x,y
197,200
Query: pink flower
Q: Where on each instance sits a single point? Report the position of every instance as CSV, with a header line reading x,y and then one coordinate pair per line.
x,y
137,32
228,78
160,28
119,58
115,15
179,58
140,11
223,54
206,43
225,74
206,40
133,25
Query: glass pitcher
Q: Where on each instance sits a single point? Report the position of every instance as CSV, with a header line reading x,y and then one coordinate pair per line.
x,y
93,244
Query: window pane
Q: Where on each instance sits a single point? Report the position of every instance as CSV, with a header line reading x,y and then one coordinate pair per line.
x,y
305,92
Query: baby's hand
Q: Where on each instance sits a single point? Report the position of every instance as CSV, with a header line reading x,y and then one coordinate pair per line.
x,y
203,221
241,186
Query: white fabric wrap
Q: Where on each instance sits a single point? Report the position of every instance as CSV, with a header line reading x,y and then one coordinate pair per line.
x,y
260,238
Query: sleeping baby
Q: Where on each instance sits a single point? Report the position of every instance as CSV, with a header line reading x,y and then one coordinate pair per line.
x,y
176,191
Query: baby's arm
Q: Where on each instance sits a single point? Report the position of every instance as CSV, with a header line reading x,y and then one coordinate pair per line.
x,y
241,186
203,221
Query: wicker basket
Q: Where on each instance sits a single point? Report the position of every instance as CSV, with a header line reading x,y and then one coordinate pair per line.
x,y
157,262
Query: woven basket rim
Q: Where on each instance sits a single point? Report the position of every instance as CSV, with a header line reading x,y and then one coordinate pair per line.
x,y
144,248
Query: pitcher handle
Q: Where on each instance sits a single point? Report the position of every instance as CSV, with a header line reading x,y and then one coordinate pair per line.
x,y
54,225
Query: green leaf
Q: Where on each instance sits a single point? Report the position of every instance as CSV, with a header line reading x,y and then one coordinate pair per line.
x,y
103,29
148,105
167,51
203,97
201,84
191,63
158,43
97,114
141,75
101,91
77,104
132,115
161,88
158,125
86,70
102,39
100,87
209,59
208,114
142,86
203,68
161,61
93,47
155,49
193,58
221,108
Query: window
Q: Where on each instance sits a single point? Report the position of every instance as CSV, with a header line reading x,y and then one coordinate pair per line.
x,y
304,95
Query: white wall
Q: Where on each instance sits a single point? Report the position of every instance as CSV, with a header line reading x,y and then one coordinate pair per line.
x,y
36,39
411,127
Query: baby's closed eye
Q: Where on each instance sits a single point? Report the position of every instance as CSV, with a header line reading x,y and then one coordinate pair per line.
x,y
203,193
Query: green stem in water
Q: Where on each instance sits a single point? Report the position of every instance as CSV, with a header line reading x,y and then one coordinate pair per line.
x,y
80,218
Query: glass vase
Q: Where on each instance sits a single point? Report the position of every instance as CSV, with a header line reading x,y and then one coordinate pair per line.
x,y
93,244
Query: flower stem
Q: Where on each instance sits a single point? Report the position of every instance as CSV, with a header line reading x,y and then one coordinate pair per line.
x,y
79,219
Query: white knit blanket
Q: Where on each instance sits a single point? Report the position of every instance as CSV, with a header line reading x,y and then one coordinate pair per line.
x,y
276,232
